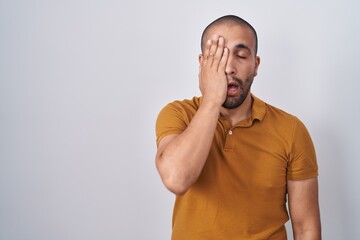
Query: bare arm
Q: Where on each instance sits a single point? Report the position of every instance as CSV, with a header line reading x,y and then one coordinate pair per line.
x,y
180,158
304,209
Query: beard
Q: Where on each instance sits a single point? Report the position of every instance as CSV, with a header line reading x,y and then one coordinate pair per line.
x,y
232,102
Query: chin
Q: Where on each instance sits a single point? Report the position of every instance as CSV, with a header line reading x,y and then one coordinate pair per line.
x,y
234,102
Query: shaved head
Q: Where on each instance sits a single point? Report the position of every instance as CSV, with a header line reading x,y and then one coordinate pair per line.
x,y
228,20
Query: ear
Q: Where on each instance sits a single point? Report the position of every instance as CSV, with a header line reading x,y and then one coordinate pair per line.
x,y
257,63
201,58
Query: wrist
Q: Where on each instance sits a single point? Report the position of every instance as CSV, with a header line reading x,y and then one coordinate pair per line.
x,y
211,103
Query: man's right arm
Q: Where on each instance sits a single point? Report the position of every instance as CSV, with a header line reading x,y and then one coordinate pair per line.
x,y
180,158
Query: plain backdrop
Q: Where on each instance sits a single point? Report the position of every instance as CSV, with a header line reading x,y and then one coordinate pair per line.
x,y
82,82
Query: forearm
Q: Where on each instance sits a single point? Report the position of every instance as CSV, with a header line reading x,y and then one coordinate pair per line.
x,y
309,229
314,234
180,162
304,209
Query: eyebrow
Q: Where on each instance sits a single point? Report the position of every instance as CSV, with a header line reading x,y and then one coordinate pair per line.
x,y
242,46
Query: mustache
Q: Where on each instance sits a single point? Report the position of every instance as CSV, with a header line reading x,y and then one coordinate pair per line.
x,y
238,80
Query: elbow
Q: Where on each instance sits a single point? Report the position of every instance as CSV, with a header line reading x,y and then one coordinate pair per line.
x,y
176,179
175,186
173,180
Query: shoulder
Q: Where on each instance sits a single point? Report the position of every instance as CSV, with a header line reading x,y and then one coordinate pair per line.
x,y
281,121
279,113
186,104
175,117
186,107
180,111
279,116
265,111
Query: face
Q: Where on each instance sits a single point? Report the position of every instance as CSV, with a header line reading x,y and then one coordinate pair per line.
x,y
242,63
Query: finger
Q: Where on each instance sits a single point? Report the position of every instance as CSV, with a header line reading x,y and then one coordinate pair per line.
x,y
219,51
223,61
207,49
213,48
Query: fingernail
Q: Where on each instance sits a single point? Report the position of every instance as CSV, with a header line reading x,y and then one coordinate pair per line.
x,y
208,42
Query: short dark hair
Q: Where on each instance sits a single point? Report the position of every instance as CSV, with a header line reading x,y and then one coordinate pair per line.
x,y
229,19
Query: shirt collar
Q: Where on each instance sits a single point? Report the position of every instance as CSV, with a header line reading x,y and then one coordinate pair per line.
x,y
258,109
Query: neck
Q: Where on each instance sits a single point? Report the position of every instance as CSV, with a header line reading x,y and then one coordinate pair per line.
x,y
240,113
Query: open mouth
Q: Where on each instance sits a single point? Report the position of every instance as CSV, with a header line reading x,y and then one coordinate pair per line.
x,y
233,88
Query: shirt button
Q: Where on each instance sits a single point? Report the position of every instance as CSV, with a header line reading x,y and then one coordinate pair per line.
x,y
230,132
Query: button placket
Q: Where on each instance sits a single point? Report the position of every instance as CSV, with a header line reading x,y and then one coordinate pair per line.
x,y
229,142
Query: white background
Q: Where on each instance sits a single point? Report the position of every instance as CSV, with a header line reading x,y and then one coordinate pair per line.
x,y
81,84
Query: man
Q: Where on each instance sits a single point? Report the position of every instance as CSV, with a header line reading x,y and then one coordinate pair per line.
x,y
231,159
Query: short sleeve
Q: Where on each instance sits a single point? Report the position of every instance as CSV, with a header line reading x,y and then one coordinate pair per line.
x,y
302,162
171,120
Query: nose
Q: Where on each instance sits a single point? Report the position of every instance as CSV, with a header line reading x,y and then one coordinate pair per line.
x,y
230,68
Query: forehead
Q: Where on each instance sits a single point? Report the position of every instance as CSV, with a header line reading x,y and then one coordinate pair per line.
x,y
234,34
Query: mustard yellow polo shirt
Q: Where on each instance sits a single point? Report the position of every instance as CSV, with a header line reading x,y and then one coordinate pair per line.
x,y
241,192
